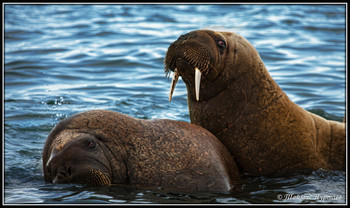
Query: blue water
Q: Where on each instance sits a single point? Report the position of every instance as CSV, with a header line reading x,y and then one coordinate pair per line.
x,y
64,59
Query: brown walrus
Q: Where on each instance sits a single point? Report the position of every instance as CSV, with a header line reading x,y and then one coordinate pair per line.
x,y
231,94
104,147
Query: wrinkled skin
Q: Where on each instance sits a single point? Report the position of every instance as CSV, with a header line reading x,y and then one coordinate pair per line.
x,y
247,111
105,147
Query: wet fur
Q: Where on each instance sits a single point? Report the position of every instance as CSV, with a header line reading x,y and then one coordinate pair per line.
x,y
165,153
250,114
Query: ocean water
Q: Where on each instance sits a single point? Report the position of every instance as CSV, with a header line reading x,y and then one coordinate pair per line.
x,y
61,59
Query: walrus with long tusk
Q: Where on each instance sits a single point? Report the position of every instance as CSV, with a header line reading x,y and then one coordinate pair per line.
x,y
231,94
104,147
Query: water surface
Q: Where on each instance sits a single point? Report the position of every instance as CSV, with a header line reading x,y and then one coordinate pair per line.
x,y
64,59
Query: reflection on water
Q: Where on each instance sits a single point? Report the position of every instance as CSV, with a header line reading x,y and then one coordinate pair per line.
x,y
63,59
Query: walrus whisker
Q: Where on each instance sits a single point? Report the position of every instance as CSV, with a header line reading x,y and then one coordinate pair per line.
x,y
213,68
206,70
97,177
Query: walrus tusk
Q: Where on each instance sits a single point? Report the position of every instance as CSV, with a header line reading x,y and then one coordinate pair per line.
x,y
173,83
197,82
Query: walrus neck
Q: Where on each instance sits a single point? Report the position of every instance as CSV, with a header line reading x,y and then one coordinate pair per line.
x,y
248,93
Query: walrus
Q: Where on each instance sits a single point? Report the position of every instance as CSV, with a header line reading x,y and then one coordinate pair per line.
x,y
103,148
231,94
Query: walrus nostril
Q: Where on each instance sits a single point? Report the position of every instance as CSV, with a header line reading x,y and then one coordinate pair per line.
x,y
69,171
62,174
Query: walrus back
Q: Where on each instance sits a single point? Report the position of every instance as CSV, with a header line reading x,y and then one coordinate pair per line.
x,y
159,152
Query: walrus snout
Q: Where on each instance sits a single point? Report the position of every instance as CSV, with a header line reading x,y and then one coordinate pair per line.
x,y
62,175
85,175
58,171
192,47
76,173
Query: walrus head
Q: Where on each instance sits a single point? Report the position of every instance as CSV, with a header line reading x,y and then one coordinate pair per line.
x,y
205,59
82,161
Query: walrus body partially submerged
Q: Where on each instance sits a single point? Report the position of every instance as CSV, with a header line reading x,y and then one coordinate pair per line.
x,y
231,94
104,147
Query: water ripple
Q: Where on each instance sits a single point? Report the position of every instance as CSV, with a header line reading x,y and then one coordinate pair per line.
x,y
62,59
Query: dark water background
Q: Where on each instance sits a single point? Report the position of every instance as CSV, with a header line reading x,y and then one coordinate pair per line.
x,y
65,59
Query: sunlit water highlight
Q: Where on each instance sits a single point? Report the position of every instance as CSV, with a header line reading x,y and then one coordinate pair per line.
x,y
64,59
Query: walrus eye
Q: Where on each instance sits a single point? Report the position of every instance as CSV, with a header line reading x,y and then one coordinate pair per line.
x,y
221,44
91,144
